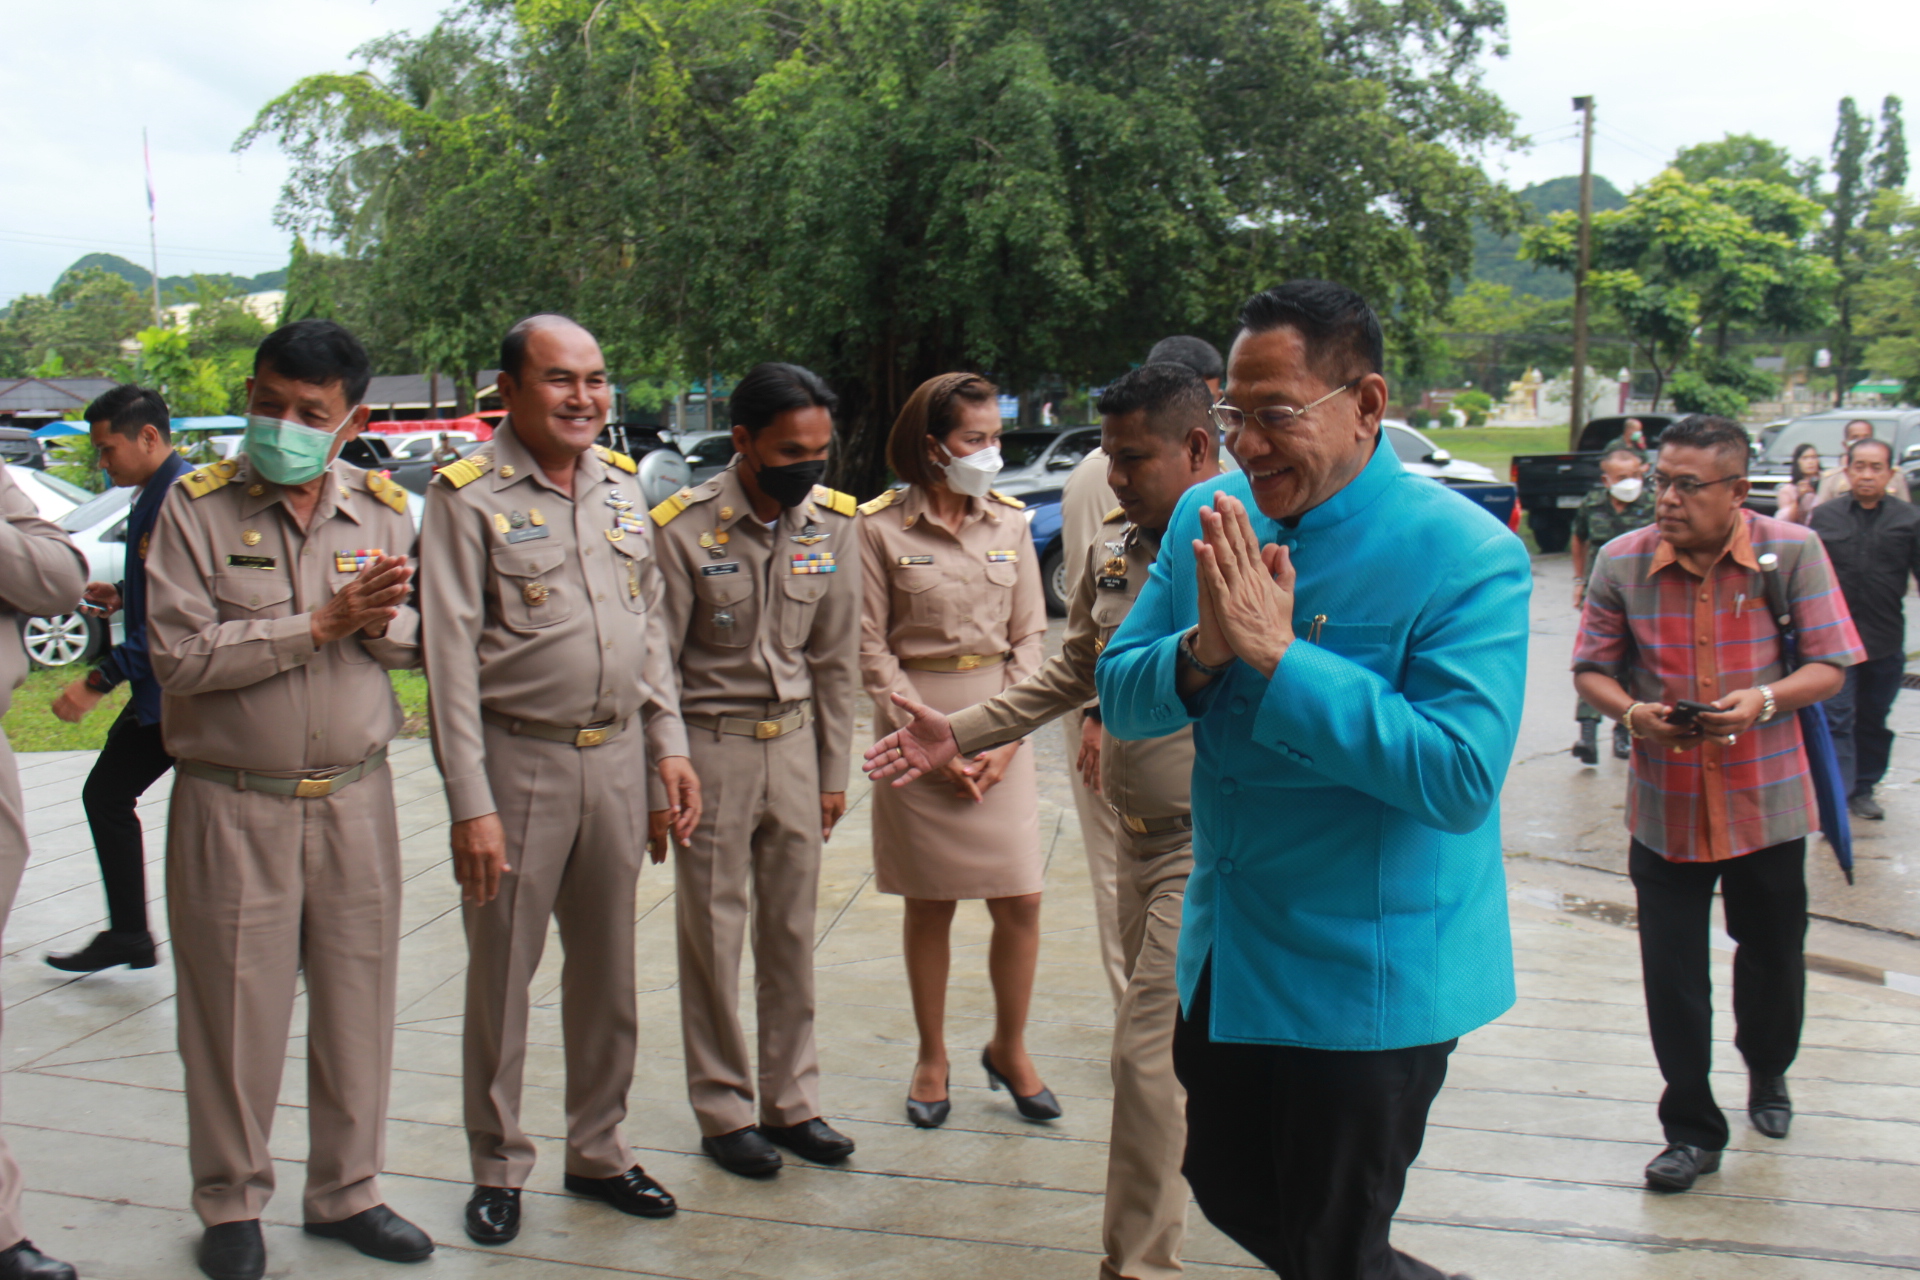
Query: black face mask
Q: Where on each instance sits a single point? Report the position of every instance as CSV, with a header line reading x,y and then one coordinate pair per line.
x,y
792,484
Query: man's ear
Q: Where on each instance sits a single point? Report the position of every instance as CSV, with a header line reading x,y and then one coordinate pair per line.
x,y
356,422
1371,398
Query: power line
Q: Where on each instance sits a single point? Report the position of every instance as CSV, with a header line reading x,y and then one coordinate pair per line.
x,y
95,242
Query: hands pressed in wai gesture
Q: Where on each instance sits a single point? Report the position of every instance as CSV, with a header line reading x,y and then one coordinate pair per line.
x,y
1246,591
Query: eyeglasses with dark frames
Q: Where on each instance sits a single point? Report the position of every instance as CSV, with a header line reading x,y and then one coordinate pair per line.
x,y
1273,417
1687,485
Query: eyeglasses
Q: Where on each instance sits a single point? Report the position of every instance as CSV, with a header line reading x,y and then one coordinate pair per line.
x,y
1274,417
1687,485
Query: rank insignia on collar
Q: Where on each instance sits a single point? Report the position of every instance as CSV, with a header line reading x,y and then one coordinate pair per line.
x,y
813,562
355,561
1002,557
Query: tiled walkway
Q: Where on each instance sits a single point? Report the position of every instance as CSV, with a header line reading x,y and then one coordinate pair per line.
x,y
1531,1169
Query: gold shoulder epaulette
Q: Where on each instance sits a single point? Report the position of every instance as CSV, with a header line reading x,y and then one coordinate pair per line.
x,y
835,501
881,503
613,459
199,484
1113,515
672,506
998,496
467,470
381,486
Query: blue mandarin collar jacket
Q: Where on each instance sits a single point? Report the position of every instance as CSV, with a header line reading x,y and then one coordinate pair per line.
x,y
1347,885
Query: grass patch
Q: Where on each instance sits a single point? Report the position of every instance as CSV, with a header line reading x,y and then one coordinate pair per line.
x,y
31,725
1495,447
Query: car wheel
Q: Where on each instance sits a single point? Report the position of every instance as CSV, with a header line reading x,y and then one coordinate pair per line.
x,y
64,639
1053,581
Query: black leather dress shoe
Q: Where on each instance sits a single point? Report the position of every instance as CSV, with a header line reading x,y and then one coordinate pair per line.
x,y
234,1251
743,1152
1768,1105
134,950
1675,1168
630,1192
1865,806
24,1262
814,1140
493,1215
378,1232
1035,1106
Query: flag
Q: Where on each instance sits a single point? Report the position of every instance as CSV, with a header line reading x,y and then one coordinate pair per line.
x,y
147,154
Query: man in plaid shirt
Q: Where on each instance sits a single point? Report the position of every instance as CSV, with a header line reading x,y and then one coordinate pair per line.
x,y
1679,611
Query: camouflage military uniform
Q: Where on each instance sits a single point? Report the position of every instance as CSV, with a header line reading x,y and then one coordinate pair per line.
x,y
1599,522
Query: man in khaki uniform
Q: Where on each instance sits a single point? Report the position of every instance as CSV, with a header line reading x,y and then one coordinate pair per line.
x,y
1085,501
276,604
41,573
1159,442
552,687
762,609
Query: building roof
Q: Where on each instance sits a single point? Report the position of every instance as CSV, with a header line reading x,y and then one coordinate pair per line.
x,y
415,390
42,397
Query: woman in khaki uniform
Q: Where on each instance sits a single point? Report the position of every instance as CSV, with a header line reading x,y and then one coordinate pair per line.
x,y
954,614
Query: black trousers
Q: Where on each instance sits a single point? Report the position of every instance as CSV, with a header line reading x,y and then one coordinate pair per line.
x,y
132,760
1766,903
1858,715
1301,1155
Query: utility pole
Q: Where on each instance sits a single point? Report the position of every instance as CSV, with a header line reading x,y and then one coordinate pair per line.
x,y
1577,417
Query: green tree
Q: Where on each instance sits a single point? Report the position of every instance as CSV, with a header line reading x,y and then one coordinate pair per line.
x,y
1742,155
1889,293
1682,257
86,318
1859,176
891,189
192,386
1890,156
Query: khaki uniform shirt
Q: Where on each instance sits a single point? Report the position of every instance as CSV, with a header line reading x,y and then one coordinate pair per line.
x,y
41,573
540,606
1836,482
1085,501
931,593
760,617
1148,778
231,584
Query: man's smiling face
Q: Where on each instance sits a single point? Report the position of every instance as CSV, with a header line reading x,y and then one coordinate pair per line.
x,y
1296,468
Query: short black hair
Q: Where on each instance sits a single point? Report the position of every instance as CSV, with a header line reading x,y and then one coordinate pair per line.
x,y
1197,354
1872,440
1709,431
773,388
513,347
127,408
320,352
1342,334
1173,396
1631,454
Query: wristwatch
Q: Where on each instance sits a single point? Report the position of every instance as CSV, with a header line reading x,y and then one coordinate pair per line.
x,y
1192,659
98,681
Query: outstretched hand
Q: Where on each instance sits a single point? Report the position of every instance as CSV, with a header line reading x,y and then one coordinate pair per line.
x,y
926,744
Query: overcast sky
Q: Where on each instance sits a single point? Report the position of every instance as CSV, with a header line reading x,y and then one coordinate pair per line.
x,y
84,76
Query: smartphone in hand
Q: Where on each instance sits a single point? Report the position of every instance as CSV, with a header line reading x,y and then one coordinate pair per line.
x,y
1686,712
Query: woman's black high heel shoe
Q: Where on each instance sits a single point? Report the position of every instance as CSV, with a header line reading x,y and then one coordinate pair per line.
x,y
930,1115
1035,1106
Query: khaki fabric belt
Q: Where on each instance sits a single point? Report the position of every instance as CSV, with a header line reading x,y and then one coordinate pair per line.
x,y
310,787
960,662
777,727
592,735
1157,826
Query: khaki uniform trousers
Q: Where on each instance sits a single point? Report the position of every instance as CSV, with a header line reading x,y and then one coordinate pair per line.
x,y
262,890
1099,832
755,855
13,862
1146,1208
576,831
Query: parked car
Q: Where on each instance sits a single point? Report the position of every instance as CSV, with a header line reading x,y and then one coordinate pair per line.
x,y
1553,485
98,527
52,496
1036,464
662,470
1420,455
366,450
1898,427
413,474
21,448
707,454
420,444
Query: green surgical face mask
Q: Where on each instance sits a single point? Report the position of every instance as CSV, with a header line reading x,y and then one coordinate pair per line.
x,y
288,452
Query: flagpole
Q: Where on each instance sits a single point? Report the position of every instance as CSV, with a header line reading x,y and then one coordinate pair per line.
x,y
153,233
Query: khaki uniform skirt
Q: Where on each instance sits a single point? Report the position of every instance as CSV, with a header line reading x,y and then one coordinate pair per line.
x,y
930,843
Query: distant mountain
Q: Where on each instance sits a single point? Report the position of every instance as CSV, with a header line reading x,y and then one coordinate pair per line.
x,y
1496,258
176,288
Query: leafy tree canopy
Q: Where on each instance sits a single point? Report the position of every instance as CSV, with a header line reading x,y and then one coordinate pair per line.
x,y
82,322
886,189
1742,155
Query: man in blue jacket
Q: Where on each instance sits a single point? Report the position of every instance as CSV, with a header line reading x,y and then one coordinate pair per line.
x,y
133,437
1349,642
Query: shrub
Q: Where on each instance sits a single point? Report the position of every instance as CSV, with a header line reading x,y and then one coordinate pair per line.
x,y
1477,405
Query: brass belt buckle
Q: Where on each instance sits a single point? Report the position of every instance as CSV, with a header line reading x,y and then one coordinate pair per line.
x,y
1136,825
313,788
967,662
589,737
767,729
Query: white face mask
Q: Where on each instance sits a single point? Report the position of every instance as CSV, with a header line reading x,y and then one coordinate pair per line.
x,y
973,474
1628,490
